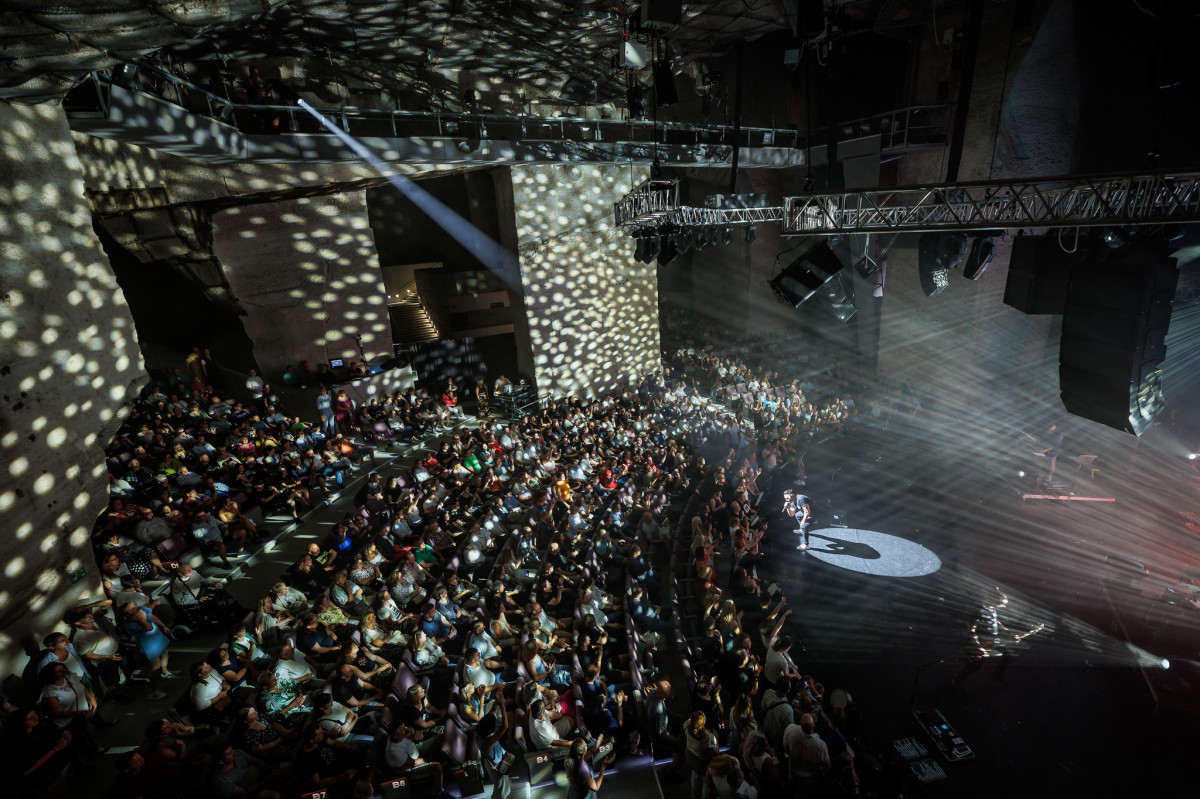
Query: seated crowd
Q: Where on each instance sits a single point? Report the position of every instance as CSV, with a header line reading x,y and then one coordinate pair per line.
x,y
506,594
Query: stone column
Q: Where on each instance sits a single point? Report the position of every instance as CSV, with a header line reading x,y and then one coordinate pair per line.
x,y
591,309
69,362
307,275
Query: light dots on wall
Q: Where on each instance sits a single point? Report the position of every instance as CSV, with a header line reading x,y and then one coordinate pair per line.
x,y
43,484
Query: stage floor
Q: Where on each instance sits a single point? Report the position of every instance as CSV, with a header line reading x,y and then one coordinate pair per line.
x,y
931,531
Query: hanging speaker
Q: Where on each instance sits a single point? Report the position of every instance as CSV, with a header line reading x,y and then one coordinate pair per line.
x,y
1115,320
665,93
806,275
1038,269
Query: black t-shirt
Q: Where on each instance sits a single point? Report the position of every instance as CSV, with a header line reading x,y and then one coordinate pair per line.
x,y
323,762
343,691
307,639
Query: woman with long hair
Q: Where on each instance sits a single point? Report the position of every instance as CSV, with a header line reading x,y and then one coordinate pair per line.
x,y
582,781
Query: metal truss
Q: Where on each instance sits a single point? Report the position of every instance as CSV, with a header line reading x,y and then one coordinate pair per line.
x,y
655,203
1073,201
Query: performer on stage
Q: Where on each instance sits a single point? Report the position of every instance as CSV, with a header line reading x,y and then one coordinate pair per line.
x,y
990,638
796,506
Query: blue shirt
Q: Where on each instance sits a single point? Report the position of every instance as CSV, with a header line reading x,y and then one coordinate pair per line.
x,y
435,627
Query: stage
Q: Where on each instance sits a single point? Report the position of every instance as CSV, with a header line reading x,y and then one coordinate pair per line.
x,y
917,525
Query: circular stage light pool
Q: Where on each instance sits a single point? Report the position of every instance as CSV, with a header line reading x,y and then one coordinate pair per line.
x,y
871,552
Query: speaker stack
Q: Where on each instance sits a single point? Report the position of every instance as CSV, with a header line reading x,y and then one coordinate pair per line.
x,y
1115,321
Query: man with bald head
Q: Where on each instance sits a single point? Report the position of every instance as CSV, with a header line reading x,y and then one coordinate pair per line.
x,y
808,756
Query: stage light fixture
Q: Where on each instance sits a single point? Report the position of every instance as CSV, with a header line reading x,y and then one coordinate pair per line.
x,y
727,236
1193,455
653,247
750,231
1165,664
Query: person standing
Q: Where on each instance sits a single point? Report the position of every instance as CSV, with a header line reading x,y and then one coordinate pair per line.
x,y
68,704
583,782
343,413
488,734
254,384
150,633
325,408
196,368
796,506
808,756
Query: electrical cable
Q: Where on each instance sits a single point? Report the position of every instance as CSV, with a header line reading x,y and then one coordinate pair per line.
x,y
937,40
1075,248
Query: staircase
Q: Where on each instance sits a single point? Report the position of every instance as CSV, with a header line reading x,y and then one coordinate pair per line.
x,y
411,323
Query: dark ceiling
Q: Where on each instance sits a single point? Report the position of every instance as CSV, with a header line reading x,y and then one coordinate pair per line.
x,y
421,50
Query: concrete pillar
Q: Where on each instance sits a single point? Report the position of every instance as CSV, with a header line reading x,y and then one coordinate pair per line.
x,y
307,275
591,310
69,360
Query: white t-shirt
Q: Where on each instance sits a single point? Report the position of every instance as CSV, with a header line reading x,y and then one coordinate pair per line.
x,y
96,642
337,715
204,691
290,671
399,753
479,675
542,733
71,697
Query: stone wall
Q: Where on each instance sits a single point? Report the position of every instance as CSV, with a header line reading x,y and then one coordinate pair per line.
x,y
68,361
307,276
591,309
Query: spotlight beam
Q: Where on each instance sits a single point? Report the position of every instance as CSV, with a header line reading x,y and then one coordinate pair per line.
x,y
483,247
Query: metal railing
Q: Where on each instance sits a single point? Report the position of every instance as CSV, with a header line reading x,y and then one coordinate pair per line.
x,y
900,129
91,98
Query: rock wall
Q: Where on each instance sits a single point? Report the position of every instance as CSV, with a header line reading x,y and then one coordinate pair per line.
x,y
68,360
591,309
307,275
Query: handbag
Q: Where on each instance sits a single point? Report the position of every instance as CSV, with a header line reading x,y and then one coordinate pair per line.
x,y
469,778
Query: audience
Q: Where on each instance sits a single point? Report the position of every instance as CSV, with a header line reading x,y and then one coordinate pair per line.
x,y
519,564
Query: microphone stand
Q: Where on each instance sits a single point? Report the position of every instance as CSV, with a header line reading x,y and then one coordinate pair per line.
x,y
912,697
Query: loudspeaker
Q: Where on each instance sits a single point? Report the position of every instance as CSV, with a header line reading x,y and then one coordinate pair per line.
x,y
1115,320
577,91
661,14
665,93
806,275
1038,270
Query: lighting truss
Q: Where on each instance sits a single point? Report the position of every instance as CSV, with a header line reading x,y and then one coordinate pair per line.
x,y
1072,201
656,203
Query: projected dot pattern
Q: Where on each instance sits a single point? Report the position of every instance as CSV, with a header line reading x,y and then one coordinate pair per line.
x,y
592,309
308,276
68,357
